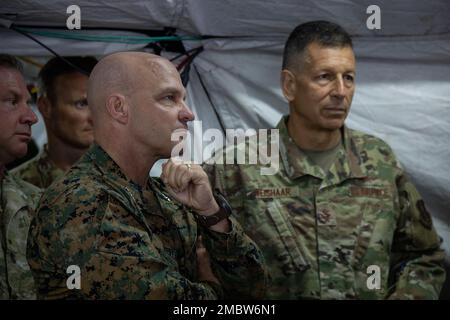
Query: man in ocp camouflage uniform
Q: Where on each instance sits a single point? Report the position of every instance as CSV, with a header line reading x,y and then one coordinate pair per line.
x,y
131,236
64,108
17,197
340,219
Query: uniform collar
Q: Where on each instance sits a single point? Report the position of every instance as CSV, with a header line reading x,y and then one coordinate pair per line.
x,y
44,158
103,161
108,167
297,164
17,194
44,153
46,165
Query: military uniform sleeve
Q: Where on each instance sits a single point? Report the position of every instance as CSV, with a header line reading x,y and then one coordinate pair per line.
x,y
18,279
227,179
21,198
118,258
237,262
417,270
237,259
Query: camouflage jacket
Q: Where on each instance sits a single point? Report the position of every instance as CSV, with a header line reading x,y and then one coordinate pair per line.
x,y
131,242
40,171
358,231
18,199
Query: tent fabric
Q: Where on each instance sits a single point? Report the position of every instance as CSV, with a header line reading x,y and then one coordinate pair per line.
x,y
234,17
15,43
403,70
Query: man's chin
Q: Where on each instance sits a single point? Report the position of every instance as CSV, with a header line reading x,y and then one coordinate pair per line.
x,y
82,143
333,124
19,151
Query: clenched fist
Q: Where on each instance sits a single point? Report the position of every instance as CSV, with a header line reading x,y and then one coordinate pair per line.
x,y
189,184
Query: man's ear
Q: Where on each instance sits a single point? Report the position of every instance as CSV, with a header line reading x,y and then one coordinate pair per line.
x,y
288,85
117,108
45,107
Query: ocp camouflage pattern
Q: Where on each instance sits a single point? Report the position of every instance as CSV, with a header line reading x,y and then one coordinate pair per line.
x,y
321,231
18,200
39,171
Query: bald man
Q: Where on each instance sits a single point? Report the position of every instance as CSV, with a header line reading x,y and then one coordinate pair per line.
x,y
106,230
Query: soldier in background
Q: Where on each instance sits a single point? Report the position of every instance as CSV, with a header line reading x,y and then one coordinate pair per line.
x,y
63,105
340,219
17,197
135,237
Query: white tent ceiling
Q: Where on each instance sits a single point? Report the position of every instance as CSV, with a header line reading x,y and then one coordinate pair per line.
x,y
403,70
234,17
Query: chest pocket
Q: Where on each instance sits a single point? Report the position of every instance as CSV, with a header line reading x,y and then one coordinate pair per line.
x,y
266,221
286,234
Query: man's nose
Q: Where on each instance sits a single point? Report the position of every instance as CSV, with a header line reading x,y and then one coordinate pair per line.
x,y
339,89
186,114
89,118
29,117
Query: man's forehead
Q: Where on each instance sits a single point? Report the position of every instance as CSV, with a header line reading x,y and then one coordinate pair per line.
x,y
163,73
160,67
318,53
12,81
19,92
71,76
74,81
11,76
171,88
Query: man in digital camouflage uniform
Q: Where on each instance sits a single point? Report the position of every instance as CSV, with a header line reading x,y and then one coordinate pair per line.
x,y
134,237
340,219
64,108
17,197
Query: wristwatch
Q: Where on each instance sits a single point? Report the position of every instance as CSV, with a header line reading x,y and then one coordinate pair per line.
x,y
223,213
